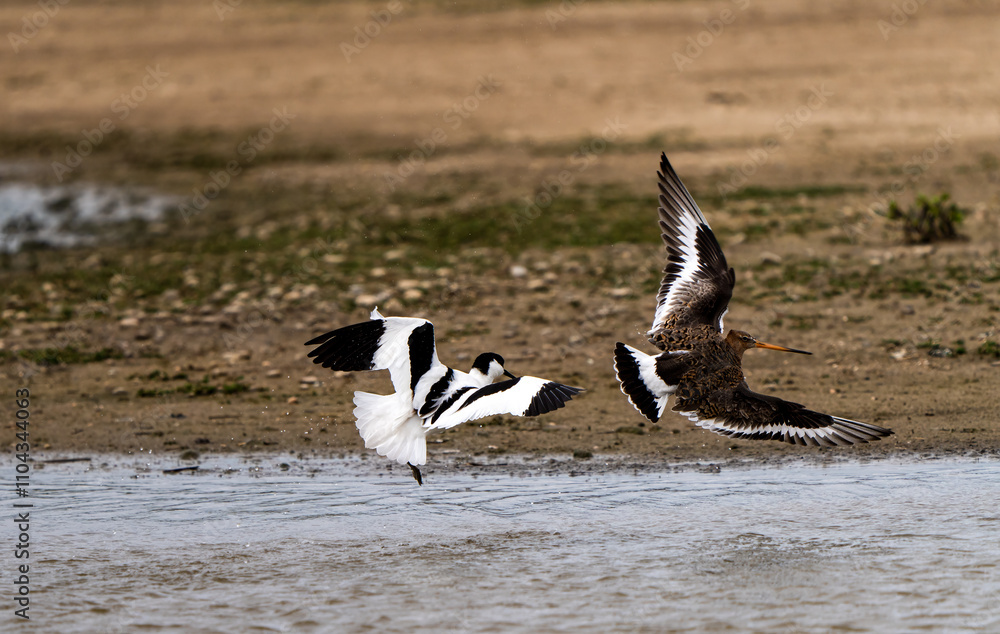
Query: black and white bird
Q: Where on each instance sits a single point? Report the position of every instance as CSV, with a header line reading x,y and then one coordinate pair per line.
x,y
429,395
699,366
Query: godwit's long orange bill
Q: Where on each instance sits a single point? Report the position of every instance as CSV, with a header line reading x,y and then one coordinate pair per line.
x,y
771,346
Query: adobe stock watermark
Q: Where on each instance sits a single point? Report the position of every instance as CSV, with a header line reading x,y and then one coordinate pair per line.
x,y
917,166
101,306
453,118
123,107
562,13
225,7
31,25
899,16
786,126
370,30
596,320
582,159
247,150
713,29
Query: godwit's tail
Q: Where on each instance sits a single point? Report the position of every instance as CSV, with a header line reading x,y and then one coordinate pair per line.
x,y
644,388
388,425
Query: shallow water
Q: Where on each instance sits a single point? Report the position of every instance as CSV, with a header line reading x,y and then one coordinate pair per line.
x,y
338,546
70,215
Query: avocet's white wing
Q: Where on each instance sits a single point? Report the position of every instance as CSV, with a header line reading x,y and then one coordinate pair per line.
x,y
402,345
697,283
523,396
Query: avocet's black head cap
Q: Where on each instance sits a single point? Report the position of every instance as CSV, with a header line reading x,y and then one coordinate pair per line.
x,y
484,360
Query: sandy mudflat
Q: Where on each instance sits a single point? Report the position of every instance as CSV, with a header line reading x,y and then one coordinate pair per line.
x,y
789,125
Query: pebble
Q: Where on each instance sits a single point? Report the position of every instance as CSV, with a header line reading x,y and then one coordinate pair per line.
x,y
536,285
236,355
518,271
770,258
223,290
412,294
309,381
941,352
272,374
129,322
393,305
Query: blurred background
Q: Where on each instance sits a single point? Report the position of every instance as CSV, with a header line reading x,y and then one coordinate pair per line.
x,y
206,184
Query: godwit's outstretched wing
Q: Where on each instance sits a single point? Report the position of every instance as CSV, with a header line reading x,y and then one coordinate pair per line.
x,y
402,345
743,413
697,283
523,396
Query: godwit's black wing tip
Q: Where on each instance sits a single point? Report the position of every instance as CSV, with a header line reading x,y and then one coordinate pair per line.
x,y
750,415
697,282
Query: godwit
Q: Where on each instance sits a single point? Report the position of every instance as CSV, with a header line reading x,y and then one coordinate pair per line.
x,y
698,366
429,395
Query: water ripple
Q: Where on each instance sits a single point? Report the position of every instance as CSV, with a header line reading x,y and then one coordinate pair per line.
x,y
864,547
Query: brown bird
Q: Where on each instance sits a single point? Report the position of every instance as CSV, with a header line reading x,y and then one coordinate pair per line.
x,y
698,366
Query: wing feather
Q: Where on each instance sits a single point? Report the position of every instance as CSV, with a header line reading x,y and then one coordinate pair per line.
x,y
751,415
523,396
697,282
403,345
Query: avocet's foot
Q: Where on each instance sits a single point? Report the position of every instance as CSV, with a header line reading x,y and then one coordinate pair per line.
x,y
416,474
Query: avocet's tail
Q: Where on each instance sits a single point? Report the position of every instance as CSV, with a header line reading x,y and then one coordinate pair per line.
x,y
389,425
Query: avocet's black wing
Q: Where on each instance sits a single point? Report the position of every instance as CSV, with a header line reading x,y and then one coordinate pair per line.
x,y
523,396
403,345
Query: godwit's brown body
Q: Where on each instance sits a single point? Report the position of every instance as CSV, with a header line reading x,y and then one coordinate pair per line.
x,y
698,366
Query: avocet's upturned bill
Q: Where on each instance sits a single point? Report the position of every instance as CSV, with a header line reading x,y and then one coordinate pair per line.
x,y
429,395
698,366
